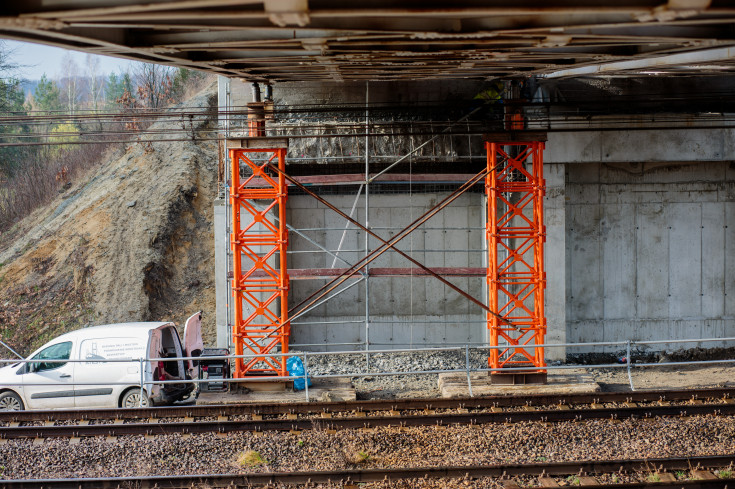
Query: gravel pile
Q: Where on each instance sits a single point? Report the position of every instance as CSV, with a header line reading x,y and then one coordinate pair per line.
x,y
382,448
360,363
376,386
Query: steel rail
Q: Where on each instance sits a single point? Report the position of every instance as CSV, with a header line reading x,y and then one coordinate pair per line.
x,y
367,406
359,422
356,476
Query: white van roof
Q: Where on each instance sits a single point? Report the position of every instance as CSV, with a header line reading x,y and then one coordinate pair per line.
x,y
127,329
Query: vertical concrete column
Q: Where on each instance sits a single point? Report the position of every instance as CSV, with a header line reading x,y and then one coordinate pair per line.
x,y
221,247
555,259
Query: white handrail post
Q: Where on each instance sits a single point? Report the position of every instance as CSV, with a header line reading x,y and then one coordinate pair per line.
x,y
140,399
467,366
627,358
306,377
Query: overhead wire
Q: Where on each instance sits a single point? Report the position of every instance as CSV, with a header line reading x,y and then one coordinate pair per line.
x,y
134,125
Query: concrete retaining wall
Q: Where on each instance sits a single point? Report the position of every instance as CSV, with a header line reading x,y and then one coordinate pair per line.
x,y
404,311
650,251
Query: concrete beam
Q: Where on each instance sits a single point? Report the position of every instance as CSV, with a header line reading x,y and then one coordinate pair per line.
x,y
645,146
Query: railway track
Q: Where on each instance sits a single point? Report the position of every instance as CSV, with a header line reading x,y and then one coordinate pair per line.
x,y
364,414
713,472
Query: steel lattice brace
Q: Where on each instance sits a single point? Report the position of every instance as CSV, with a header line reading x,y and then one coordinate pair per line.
x,y
516,235
260,287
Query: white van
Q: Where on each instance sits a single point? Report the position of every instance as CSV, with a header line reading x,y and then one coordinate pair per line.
x,y
45,382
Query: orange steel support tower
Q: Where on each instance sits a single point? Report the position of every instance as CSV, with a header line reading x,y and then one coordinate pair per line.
x,y
260,288
516,235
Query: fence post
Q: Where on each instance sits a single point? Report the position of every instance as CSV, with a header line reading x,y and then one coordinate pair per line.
x,y
467,366
140,399
306,377
630,376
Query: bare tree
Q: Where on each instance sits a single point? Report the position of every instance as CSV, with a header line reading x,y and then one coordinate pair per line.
x,y
70,83
154,84
96,81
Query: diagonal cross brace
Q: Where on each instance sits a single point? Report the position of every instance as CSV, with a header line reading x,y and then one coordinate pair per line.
x,y
390,245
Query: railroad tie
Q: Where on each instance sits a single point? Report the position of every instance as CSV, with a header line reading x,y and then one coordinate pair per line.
x,y
663,477
704,475
585,480
510,484
547,482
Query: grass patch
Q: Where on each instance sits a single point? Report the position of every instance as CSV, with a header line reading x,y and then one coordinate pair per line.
x,y
251,458
358,457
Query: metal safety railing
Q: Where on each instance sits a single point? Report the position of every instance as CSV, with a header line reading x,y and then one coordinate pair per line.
x,y
145,383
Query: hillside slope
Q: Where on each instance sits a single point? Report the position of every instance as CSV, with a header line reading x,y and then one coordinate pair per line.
x,y
133,242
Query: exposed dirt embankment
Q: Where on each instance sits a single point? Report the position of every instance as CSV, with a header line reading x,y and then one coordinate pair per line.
x,y
133,242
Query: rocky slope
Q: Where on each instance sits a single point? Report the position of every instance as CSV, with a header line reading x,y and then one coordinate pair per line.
x,y
133,242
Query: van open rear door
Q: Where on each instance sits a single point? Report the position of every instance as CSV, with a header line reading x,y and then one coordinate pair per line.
x,y
193,344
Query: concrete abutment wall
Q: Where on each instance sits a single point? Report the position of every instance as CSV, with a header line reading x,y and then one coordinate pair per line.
x,y
640,246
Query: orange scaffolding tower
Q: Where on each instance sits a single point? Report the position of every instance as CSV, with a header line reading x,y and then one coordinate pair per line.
x,y
516,235
259,244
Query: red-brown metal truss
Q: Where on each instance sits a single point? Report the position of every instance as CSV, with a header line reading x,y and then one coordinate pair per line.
x,y
260,274
516,235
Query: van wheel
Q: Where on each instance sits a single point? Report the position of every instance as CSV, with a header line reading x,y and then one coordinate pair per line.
x,y
131,399
10,401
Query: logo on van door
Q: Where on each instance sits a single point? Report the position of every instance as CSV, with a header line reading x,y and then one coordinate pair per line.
x,y
110,349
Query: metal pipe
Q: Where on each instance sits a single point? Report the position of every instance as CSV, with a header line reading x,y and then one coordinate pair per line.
x,y
344,233
696,57
11,350
256,92
367,221
322,248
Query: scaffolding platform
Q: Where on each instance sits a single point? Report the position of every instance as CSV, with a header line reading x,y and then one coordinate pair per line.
x,y
576,381
322,390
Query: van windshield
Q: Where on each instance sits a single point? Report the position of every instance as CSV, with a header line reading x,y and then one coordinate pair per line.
x,y
59,351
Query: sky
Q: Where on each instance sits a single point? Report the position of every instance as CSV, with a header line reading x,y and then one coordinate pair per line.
x,y
37,59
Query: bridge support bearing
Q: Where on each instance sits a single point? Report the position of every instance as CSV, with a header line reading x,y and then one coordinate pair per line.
x,y
259,243
516,279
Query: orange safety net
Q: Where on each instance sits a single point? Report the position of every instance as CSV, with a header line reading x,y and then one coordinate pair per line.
x,y
516,234
260,278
